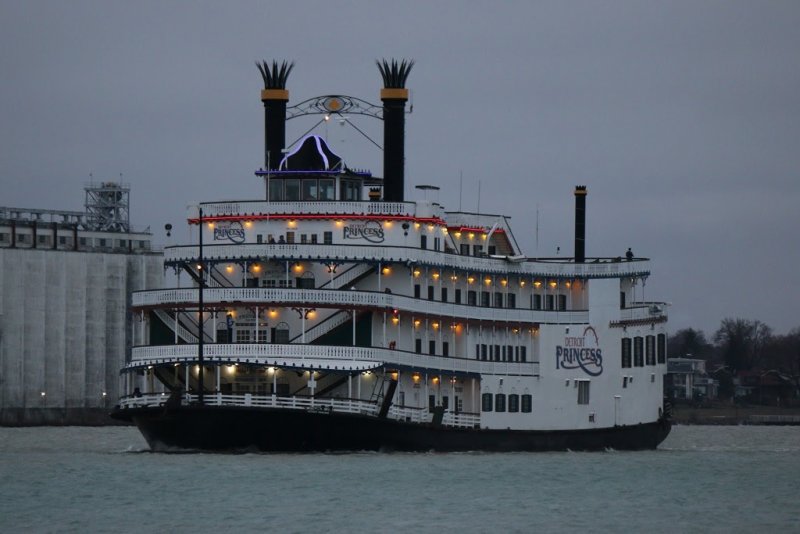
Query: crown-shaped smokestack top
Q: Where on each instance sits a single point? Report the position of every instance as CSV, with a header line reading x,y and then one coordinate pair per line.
x,y
394,95
394,74
274,96
275,76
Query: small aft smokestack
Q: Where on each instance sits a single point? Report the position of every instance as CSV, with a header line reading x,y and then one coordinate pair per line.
x,y
394,96
274,96
580,224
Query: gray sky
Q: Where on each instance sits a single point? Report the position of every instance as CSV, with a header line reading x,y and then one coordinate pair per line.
x,y
682,118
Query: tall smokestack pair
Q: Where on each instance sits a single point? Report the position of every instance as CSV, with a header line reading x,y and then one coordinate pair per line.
x,y
394,96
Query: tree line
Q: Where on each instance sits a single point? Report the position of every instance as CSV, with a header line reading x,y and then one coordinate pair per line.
x,y
741,345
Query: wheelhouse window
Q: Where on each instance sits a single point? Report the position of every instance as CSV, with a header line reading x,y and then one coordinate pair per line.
x,y
662,348
292,191
327,189
276,190
310,189
350,190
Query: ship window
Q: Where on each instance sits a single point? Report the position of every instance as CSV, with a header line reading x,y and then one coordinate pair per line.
x,y
562,302
327,189
624,381
500,402
477,351
431,402
523,356
513,403
504,353
497,353
290,237
430,292
432,347
477,250
511,300
327,238
313,239
423,241
583,391
537,302
464,249
483,352
527,403
259,239
550,303
486,402
437,243
662,348
626,352
276,190
510,352
458,296
445,348
62,240
445,402
243,336
492,250
418,346
304,238
498,299
417,291
472,298
292,191
485,299
444,294
309,189
650,350
4,238
638,351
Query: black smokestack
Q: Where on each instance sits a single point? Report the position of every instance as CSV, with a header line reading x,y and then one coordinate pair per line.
x,y
580,224
274,96
394,95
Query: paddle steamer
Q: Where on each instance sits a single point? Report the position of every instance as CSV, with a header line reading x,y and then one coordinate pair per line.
x,y
336,315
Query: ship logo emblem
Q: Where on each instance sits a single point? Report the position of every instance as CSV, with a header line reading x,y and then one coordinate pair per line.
x,y
371,231
231,231
581,352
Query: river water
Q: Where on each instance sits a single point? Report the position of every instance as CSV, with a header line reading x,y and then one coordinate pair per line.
x,y
702,479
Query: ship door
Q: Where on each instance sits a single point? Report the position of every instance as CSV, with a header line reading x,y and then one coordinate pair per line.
x,y
617,410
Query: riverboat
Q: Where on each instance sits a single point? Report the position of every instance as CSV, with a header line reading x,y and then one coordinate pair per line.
x,y
336,315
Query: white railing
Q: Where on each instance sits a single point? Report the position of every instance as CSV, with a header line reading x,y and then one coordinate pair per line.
x,y
354,253
263,208
399,413
322,357
321,298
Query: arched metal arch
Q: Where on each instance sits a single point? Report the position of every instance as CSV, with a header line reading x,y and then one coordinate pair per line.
x,y
334,104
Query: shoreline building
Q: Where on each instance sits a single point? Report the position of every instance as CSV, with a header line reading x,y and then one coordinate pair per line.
x,y
65,326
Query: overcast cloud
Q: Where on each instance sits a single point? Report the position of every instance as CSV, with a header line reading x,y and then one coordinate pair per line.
x,y
682,118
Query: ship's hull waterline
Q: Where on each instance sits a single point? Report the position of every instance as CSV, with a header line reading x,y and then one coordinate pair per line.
x,y
232,428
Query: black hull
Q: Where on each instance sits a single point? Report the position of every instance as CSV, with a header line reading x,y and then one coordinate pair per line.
x,y
223,428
